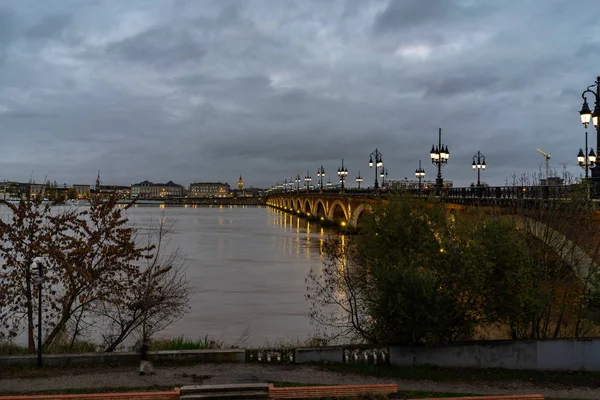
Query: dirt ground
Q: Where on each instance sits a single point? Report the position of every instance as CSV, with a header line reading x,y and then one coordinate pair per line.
x,y
23,381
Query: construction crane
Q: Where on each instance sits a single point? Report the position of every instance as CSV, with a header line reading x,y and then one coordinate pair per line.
x,y
547,157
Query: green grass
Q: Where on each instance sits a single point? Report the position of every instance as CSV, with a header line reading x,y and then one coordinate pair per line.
x,y
183,343
425,372
60,347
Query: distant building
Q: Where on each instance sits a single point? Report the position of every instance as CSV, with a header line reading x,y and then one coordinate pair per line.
x,y
37,189
83,191
150,190
240,183
122,192
209,189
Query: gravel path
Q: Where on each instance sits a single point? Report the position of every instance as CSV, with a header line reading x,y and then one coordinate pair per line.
x,y
237,373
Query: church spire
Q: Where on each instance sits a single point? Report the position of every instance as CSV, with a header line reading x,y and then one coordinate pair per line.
x,y
240,183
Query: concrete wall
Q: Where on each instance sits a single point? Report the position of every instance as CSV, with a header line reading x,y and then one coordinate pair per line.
x,y
563,354
324,354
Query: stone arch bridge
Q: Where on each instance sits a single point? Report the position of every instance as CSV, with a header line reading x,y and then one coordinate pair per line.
x,y
333,207
348,209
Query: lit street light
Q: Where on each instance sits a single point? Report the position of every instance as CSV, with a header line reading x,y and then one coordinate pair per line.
x,y
342,173
439,156
321,174
298,184
586,160
378,164
478,164
359,179
587,116
307,180
383,174
420,173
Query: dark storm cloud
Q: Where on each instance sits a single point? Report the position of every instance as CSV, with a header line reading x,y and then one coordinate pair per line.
x,y
190,90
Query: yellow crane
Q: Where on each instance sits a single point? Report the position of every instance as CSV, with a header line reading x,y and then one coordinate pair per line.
x,y
547,157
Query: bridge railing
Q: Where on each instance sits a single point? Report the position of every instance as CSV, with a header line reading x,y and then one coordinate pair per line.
x,y
473,192
511,192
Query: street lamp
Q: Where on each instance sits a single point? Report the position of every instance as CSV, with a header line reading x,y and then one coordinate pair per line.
x,y
298,184
329,183
378,164
439,156
342,173
359,179
383,174
321,174
420,173
586,160
38,280
307,180
587,116
478,164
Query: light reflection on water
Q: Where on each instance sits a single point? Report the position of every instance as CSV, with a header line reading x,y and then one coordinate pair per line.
x,y
247,266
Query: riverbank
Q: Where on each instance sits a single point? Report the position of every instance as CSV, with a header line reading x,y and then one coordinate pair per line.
x,y
28,380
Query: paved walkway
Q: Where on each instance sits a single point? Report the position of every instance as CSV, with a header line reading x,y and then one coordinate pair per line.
x,y
237,373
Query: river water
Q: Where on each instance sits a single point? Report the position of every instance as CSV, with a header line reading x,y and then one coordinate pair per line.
x,y
247,267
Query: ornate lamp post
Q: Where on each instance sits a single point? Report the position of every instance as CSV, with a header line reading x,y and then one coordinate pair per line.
x,y
307,180
383,174
359,179
298,183
420,173
342,173
321,174
439,156
478,164
586,160
587,116
378,164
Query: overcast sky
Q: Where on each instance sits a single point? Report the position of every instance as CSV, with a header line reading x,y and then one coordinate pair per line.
x,y
208,90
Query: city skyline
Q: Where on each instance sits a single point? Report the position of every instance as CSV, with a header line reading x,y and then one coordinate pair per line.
x,y
203,90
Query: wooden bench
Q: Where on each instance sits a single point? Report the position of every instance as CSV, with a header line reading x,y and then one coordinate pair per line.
x,y
305,392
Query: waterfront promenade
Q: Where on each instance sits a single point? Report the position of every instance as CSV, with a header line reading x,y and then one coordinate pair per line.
x,y
22,381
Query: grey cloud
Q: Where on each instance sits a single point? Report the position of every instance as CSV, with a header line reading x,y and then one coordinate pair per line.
x,y
406,14
449,86
160,46
7,31
50,27
208,90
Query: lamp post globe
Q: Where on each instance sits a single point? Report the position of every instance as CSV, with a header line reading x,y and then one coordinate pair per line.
x,y
342,173
359,179
420,173
439,156
378,164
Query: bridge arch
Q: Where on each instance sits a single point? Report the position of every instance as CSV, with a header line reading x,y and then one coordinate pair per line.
x,y
319,209
359,212
337,211
297,205
307,207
